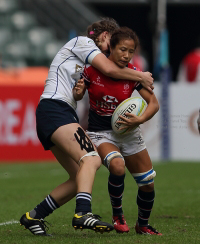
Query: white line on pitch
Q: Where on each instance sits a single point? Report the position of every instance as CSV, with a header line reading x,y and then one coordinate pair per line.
x,y
10,222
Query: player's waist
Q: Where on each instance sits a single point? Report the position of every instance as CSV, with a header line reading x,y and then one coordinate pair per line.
x,y
58,96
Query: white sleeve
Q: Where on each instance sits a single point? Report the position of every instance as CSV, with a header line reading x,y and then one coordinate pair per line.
x,y
92,55
85,48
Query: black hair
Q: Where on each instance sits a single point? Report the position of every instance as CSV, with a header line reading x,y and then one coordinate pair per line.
x,y
123,33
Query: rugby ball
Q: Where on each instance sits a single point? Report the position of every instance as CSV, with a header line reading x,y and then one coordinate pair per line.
x,y
133,105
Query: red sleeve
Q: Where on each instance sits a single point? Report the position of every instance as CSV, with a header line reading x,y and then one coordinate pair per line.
x,y
130,66
135,84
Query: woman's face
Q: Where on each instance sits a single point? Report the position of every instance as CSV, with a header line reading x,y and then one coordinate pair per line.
x,y
123,52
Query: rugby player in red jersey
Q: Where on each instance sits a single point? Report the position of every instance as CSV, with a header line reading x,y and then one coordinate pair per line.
x,y
120,150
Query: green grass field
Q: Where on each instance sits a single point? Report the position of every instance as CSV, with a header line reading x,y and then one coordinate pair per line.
x,y
176,211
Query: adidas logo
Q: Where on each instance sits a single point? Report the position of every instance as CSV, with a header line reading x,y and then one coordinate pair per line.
x,y
36,229
90,221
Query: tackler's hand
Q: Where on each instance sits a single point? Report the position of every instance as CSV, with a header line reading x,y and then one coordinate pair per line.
x,y
79,90
147,81
79,87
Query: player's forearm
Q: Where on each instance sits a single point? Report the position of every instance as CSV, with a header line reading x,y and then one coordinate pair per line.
x,y
78,96
150,111
108,68
79,90
126,73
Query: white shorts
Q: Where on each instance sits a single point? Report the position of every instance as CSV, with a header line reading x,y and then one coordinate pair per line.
x,y
129,144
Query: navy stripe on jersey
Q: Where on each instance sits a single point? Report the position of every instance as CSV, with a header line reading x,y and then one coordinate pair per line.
x,y
74,44
57,74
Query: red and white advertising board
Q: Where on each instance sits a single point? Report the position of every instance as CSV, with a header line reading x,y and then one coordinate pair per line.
x,y
18,137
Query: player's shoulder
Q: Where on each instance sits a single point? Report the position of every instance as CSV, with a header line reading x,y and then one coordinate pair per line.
x,y
85,40
88,70
131,66
91,72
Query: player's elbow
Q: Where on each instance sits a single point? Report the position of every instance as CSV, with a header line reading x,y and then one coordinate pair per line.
x,y
155,103
157,107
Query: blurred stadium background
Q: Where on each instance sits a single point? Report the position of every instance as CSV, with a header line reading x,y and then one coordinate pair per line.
x,y
31,33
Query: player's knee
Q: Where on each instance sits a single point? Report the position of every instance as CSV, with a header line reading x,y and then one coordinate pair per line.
x,y
145,178
117,166
91,158
147,188
110,159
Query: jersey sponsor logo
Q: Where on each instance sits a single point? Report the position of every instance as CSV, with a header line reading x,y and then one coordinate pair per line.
x,y
98,81
126,86
78,68
110,99
105,105
77,74
110,102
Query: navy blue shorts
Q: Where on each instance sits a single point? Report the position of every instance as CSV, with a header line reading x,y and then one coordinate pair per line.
x,y
50,115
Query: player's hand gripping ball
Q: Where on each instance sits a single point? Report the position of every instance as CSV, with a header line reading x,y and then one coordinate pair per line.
x,y
133,105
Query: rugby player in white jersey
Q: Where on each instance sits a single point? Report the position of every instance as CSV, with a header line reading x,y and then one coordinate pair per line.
x,y
58,126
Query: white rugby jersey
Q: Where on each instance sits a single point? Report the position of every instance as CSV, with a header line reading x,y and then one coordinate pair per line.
x,y
67,67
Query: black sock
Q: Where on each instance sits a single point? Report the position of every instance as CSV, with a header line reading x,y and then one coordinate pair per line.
x,y
45,208
83,202
145,201
116,189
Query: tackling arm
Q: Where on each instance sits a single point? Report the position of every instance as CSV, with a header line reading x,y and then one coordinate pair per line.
x,y
110,69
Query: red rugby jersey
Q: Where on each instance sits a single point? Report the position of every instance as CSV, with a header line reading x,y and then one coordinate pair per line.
x,y
105,94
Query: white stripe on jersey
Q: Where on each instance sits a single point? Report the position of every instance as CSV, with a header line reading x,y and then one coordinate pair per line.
x,y
66,68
